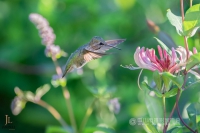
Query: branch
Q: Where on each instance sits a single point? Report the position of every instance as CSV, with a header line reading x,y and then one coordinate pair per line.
x,y
185,38
54,112
172,112
179,115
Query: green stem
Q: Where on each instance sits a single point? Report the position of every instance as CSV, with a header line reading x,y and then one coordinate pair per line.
x,y
87,115
191,3
164,110
54,112
66,95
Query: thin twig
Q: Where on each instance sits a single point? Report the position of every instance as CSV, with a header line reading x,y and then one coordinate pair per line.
x,y
54,112
185,79
185,38
172,112
87,115
58,69
182,119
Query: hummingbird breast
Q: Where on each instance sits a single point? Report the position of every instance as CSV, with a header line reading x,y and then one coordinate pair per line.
x,y
80,61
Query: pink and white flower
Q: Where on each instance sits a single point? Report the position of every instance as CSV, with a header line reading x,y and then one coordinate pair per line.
x,y
168,62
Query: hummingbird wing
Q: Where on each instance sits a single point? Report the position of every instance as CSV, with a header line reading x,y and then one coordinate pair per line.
x,y
91,55
110,44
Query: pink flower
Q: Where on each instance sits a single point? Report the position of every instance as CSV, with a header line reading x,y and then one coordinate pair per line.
x,y
183,53
45,31
146,59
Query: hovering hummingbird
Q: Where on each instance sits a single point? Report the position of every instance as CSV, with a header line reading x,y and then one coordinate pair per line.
x,y
95,49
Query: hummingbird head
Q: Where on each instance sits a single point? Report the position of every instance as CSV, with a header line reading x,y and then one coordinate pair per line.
x,y
97,41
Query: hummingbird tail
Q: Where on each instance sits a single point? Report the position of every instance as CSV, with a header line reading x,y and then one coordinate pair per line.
x,y
64,74
67,69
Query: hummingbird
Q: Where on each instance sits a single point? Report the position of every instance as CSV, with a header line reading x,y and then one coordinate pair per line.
x,y
95,49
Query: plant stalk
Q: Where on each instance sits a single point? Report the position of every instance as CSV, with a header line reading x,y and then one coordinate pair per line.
x,y
87,115
164,111
191,3
54,112
185,38
172,112
66,95
179,115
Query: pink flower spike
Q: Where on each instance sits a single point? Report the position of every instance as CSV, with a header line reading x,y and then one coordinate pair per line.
x,y
165,54
173,56
160,52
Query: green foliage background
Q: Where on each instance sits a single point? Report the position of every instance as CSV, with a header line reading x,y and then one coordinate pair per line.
x,y
75,22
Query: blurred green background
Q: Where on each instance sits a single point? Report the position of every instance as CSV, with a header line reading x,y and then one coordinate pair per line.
x,y
24,64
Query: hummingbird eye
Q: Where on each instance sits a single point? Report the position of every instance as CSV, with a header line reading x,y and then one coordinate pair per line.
x,y
101,43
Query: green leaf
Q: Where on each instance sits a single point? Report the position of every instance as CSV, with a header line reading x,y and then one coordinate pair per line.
x,y
166,39
193,111
191,81
192,20
150,128
177,80
167,83
164,46
198,117
101,129
193,85
157,80
171,93
158,93
174,123
154,105
198,126
56,129
175,21
178,130
193,61
130,67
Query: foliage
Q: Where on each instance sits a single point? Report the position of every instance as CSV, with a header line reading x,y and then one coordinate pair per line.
x,y
94,88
